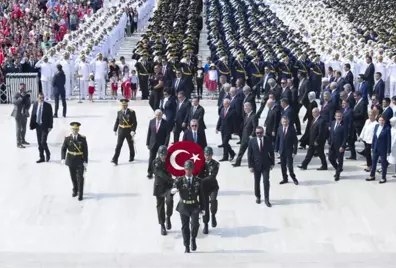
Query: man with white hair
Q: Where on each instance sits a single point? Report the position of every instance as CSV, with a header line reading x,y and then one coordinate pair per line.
x,y
156,136
225,125
335,95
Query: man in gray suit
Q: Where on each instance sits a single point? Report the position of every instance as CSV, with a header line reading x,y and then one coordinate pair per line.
x,y
21,101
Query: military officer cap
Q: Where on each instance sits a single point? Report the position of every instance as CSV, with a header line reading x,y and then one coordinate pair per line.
x,y
208,150
124,101
75,125
189,164
162,150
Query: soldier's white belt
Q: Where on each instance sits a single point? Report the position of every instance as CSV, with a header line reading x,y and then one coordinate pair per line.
x,y
76,153
189,202
125,126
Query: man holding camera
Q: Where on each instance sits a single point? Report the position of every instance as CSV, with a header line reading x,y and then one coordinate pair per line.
x,y
21,101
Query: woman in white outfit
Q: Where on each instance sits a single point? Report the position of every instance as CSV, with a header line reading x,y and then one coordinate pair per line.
x,y
392,156
367,137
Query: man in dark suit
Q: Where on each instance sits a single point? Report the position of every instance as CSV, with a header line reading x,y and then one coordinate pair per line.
x,y
327,110
196,112
286,92
236,105
303,90
156,136
261,160
21,101
42,121
359,113
196,133
287,111
224,93
339,80
167,73
225,125
179,84
349,76
286,145
317,140
168,106
379,87
249,125
350,97
264,81
182,110
368,75
272,120
387,111
249,96
294,104
337,144
347,120
274,89
381,146
58,84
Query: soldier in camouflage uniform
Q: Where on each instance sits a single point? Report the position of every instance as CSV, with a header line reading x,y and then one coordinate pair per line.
x,y
210,188
162,185
190,204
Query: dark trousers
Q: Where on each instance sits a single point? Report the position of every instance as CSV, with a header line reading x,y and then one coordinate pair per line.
x,y
310,153
336,159
212,196
77,177
63,97
161,200
155,98
124,133
185,221
227,150
42,135
153,155
351,144
296,118
287,163
266,182
143,84
384,164
367,154
242,150
199,86
304,140
21,122
176,132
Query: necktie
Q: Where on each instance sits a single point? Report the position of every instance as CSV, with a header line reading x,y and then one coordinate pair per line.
x,y
246,117
157,126
195,136
284,132
225,112
336,125
75,137
163,70
177,83
261,145
40,114
194,109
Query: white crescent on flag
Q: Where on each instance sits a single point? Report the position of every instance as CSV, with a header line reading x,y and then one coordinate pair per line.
x,y
172,159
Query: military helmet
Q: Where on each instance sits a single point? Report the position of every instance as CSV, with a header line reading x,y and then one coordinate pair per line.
x,y
162,150
208,151
188,164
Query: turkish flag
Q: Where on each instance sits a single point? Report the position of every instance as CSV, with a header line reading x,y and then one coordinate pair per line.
x,y
179,153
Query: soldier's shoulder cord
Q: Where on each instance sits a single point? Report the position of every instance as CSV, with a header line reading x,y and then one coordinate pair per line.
x,y
82,136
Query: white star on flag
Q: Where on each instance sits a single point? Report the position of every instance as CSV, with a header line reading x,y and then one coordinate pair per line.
x,y
195,157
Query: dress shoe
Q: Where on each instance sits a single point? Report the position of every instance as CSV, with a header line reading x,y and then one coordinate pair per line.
x,y
223,159
20,146
322,168
74,194
361,153
232,157
382,181
41,160
47,158
80,198
220,146
114,162
163,230
299,133
214,221
370,179
336,177
302,167
258,201
25,143
236,165
193,245
238,142
150,176
267,203
55,116
351,158
205,229
295,181
368,169
283,182
187,250
131,159
168,224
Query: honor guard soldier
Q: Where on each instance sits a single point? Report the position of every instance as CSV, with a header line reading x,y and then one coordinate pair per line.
x,y
190,204
75,145
162,186
210,188
126,125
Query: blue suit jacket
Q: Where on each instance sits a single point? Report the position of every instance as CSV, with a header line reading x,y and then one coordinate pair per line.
x,y
382,143
286,145
380,90
347,119
363,90
170,109
338,138
388,114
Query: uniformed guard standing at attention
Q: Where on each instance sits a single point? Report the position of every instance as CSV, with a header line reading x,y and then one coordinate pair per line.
x,y
190,204
126,125
76,147
162,189
210,188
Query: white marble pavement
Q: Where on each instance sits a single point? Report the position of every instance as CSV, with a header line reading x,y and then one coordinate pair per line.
x,y
320,223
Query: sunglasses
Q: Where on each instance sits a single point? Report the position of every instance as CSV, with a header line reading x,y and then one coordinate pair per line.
x,y
194,125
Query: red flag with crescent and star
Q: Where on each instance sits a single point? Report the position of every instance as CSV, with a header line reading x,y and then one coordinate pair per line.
x,y
179,153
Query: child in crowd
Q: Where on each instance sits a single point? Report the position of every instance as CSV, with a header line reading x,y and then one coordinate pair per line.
x,y
134,82
200,79
212,79
207,65
114,86
91,87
